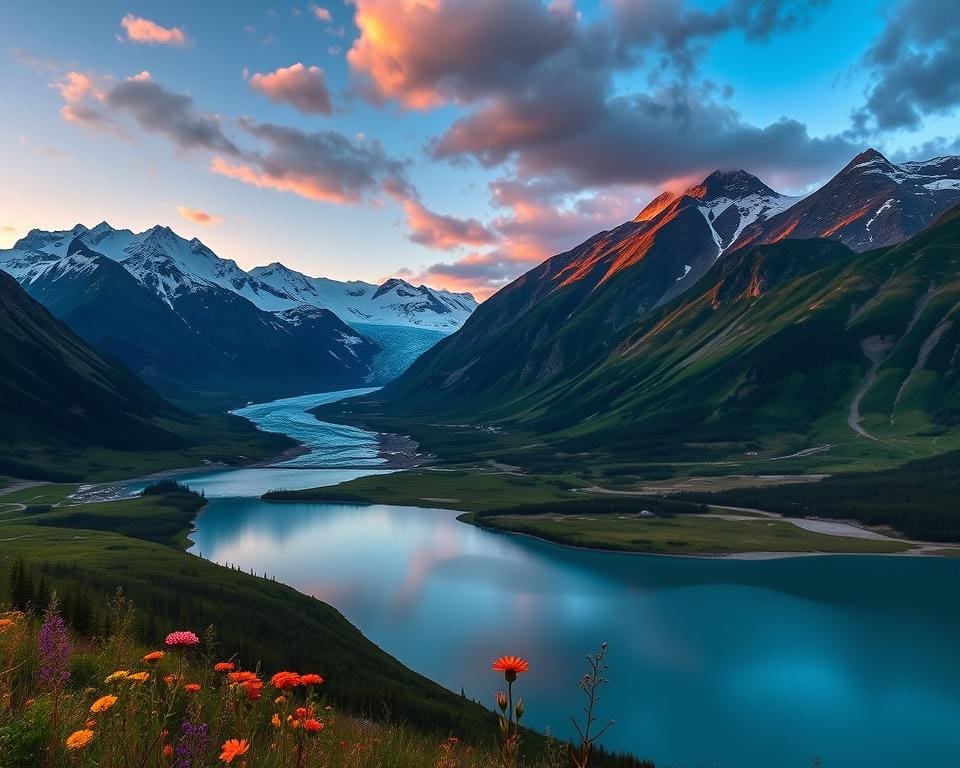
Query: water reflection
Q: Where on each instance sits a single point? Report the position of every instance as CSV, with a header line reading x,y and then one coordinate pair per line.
x,y
712,662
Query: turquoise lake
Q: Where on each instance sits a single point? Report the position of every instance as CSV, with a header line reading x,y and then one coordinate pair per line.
x,y
713,662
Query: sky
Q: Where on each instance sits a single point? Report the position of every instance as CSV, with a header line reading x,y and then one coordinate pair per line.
x,y
456,143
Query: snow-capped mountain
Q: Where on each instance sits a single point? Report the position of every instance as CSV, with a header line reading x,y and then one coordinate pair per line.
x,y
871,203
395,302
170,265
154,300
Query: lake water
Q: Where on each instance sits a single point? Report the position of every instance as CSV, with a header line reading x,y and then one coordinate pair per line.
x,y
748,664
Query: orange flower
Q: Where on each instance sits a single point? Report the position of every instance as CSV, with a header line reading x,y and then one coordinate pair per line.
x,y
241,677
191,687
253,688
275,720
312,726
153,656
311,679
234,748
223,666
511,666
167,750
139,677
285,681
103,704
79,739
90,723
302,712
279,699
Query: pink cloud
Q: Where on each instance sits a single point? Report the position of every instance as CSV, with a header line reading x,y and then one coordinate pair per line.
x,y
321,14
198,216
304,88
141,30
80,93
441,231
290,180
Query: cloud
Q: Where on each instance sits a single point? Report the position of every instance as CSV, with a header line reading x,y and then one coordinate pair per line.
x,y
320,14
443,232
322,165
198,216
304,88
109,104
141,30
472,46
915,63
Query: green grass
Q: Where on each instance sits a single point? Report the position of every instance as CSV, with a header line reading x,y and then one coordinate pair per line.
x,y
256,618
682,534
462,489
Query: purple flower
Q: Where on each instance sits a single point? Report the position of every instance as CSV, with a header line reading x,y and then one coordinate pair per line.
x,y
54,646
193,744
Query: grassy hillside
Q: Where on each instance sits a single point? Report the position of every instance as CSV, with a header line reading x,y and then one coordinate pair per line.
x,y
795,356
70,413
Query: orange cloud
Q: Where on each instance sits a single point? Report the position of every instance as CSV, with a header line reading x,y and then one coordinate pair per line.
x,y
140,30
79,91
304,88
198,216
321,14
304,185
436,230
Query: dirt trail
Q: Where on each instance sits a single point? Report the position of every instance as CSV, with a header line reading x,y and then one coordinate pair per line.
x,y
875,349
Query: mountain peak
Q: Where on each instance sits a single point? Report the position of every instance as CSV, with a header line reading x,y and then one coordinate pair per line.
x,y
733,184
868,156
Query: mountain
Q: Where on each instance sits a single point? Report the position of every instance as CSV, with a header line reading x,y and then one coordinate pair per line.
x,y
191,322
395,302
781,350
155,301
56,390
871,203
560,316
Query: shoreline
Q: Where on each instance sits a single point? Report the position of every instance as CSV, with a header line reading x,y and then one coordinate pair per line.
x,y
744,556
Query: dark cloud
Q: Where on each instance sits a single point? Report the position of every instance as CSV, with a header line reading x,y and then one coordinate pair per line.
x,y
170,114
915,64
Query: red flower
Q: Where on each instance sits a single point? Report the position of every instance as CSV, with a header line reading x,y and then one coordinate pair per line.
x,y
511,666
191,687
285,680
223,666
311,679
312,726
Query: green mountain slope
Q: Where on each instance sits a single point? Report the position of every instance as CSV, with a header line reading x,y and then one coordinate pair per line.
x,y
797,346
66,408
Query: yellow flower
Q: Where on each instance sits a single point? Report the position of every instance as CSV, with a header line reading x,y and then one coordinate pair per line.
x,y
275,720
139,677
79,739
103,704
120,674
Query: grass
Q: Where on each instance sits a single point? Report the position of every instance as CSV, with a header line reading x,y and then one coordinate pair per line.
x,y
682,534
88,552
461,489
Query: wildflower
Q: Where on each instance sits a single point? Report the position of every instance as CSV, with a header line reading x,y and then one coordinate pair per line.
x,y
285,681
120,674
253,688
502,701
234,748
79,739
275,720
511,666
91,722
138,677
53,642
193,744
311,679
223,666
167,750
153,656
182,639
301,712
5,624
191,687
103,704
312,726
279,699
241,677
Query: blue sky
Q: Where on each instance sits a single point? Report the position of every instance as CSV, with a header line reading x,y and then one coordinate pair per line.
x,y
439,100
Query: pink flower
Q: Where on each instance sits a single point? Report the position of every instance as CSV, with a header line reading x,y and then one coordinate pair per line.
x,y
182,639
